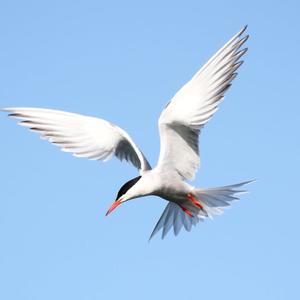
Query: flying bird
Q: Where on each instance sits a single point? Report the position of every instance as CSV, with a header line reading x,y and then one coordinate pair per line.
x,y
180,124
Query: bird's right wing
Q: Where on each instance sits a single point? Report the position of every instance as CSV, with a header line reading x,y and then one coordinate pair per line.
x,y
193,105
84,136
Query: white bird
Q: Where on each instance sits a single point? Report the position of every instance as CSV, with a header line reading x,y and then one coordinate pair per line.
x,y
180,124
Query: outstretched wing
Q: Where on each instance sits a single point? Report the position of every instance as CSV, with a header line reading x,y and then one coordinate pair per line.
x,y
83,136
193,105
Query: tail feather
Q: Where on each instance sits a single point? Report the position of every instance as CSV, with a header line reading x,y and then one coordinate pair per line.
x,y
214,201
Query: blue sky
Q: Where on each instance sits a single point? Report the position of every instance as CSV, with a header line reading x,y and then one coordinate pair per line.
x,y
122,61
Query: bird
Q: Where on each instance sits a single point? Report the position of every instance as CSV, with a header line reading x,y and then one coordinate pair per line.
x,y
180,125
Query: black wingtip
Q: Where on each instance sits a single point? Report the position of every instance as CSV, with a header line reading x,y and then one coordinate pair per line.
x,y
251,181
151,236
245,38
244,29
241,32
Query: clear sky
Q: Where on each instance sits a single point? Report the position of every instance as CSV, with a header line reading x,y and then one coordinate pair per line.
x,y
122,61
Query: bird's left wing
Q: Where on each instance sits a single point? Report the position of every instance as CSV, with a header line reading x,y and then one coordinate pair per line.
x,y
193,105
84,136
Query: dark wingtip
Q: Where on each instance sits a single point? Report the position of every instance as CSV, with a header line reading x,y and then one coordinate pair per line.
x,y
248,181
244,29
151,236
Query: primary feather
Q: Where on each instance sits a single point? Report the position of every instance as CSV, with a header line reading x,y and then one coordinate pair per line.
x,y
84,136
193,105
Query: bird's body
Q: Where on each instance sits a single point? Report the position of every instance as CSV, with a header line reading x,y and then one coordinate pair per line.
x,y
160,182
180,125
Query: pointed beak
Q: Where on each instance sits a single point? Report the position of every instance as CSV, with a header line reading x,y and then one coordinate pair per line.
x,y
114,206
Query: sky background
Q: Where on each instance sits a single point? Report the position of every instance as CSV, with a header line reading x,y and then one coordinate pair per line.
x,y
123,61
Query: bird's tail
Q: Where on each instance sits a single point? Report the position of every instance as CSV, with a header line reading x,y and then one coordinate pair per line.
x,y
213,202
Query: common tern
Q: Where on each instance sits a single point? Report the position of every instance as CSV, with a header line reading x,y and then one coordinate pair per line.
x,y
180,124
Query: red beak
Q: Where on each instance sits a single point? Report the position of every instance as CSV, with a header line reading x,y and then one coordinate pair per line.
x,y
114,205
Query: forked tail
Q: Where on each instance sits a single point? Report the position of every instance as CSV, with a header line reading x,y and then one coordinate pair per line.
x,y
213,202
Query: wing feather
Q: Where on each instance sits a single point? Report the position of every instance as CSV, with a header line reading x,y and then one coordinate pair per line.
x,y
192,107
84,136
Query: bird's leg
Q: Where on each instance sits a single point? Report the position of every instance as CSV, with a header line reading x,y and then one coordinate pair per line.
x,y
194,201
186,211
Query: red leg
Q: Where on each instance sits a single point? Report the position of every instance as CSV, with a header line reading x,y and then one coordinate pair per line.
x,y
186,211
194,200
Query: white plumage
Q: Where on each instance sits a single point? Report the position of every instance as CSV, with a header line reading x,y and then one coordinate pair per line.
x,y
83,136
193,105
180,124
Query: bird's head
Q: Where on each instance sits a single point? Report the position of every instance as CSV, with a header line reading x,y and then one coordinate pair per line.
x,y
123,196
